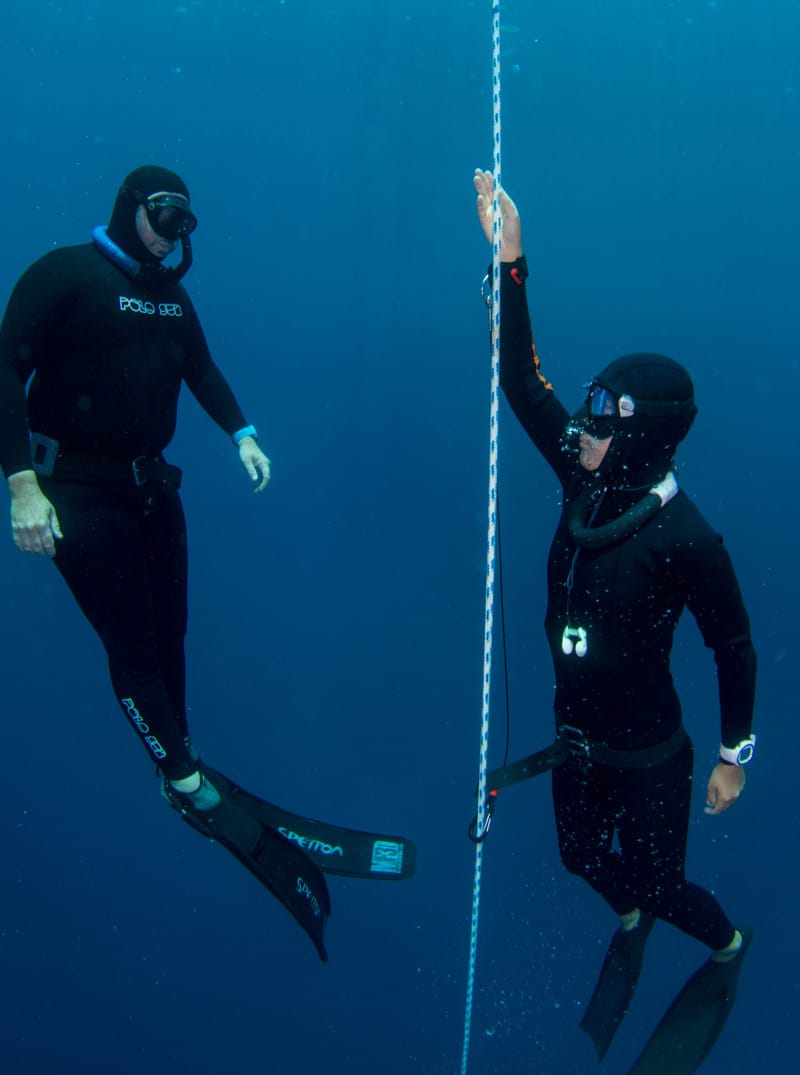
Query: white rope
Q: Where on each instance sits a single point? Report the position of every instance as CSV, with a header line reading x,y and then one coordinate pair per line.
x,y
482,817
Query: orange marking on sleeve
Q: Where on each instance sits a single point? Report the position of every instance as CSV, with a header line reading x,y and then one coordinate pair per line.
x,y
539,373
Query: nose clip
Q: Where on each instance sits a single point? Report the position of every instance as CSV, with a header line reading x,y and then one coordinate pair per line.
x,y
574,640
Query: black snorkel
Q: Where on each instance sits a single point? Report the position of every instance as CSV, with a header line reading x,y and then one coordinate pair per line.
x,y
177,272
143,272
586,536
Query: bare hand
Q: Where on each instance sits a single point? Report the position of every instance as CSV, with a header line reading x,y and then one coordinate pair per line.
x,y
34,523
255,463
511,233
724,788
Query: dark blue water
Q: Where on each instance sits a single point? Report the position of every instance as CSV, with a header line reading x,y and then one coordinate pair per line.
x,y
336,622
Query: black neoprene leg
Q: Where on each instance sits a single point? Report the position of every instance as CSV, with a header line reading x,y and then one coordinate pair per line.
x,y
125,562
165,538
648,809
585,816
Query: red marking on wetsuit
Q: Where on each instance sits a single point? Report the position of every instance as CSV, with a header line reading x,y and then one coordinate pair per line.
x,y
516,277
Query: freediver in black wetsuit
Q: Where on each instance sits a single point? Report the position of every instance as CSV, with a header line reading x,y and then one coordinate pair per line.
x,y
630,552
104,336
106,353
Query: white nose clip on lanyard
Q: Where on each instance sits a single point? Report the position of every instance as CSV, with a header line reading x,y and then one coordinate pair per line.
x,y
574,640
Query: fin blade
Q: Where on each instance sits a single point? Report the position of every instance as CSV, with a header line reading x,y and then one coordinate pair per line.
x,y
616,984
332,848
694,1021
282,868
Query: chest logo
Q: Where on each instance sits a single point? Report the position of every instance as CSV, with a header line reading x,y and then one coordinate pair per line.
x,y
138,306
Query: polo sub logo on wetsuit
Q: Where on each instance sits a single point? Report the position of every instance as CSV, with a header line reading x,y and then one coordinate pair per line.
x,y
138,306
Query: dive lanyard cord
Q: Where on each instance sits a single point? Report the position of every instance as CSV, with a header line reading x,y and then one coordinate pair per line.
x,y
482,816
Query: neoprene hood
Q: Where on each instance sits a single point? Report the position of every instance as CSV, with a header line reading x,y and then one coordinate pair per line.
x,y
645,441
122,226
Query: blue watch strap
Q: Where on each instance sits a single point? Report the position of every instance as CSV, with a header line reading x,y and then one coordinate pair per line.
x,y
240,434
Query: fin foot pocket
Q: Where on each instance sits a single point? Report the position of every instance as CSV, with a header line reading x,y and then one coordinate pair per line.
x,y
281,867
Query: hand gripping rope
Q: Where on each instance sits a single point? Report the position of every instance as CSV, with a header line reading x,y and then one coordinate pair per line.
x,y
484,814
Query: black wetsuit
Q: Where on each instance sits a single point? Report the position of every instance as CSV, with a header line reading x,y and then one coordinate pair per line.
x,y
628,598
108,356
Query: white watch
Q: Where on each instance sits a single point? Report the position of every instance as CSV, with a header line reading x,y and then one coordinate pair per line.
x,y
741,754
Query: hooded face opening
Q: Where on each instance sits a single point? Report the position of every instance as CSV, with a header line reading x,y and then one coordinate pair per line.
x,y
592,450
641,406
164,198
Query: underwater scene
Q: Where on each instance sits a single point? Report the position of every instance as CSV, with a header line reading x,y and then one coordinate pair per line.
x,y
335,657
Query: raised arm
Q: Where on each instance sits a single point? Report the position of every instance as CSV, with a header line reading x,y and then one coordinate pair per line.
x,y
527,390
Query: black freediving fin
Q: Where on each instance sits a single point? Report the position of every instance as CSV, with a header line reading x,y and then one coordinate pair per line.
x,y
333,849
613,993
693,1022
280,866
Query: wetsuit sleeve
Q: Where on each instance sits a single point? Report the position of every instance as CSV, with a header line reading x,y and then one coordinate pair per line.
x,y
205,381
38,298
715,601
528,392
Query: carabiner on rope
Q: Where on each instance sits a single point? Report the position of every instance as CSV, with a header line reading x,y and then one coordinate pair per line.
x,y
486,290
472,831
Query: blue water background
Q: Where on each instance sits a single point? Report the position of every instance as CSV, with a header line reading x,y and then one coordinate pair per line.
x,y
335,645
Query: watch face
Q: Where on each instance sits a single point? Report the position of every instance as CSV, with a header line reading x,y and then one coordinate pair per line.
x,y
745,754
